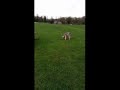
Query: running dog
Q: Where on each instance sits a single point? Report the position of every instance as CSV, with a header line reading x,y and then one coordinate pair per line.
x,y
66,36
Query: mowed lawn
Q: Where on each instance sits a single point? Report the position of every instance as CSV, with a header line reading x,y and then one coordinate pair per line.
x,y
59,64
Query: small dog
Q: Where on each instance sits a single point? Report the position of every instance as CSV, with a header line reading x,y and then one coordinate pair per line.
x,y
67,35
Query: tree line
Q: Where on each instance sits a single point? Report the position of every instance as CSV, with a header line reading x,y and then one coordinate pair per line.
x,y
62,20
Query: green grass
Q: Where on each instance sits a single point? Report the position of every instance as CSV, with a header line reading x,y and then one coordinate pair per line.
x,y
59,64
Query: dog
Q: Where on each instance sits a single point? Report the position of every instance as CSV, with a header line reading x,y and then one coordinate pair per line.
x,y
67,36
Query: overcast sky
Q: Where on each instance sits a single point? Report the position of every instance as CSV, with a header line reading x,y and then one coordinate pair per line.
x,y
57,8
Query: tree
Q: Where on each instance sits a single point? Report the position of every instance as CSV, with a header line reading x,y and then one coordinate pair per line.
x,y
63,20
44,19
68,19
37,18
83,20
51,20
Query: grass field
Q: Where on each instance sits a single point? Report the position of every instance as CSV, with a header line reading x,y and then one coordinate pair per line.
x,y
59,64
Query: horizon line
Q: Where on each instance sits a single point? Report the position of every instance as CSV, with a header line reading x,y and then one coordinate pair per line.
x,y
59,16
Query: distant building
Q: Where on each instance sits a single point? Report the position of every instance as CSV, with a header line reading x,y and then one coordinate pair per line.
x,y
57,22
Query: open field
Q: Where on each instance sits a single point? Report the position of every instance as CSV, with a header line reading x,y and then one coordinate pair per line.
x,y
59,64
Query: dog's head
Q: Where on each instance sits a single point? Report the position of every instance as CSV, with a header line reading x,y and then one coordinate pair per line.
x,y
62,36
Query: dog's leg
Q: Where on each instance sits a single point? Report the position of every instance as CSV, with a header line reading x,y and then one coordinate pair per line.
x,y
69,37
65,37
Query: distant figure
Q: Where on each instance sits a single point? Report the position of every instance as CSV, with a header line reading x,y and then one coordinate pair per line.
x,y
67,35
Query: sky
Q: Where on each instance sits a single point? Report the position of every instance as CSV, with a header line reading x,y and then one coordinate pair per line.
x,y
59,8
